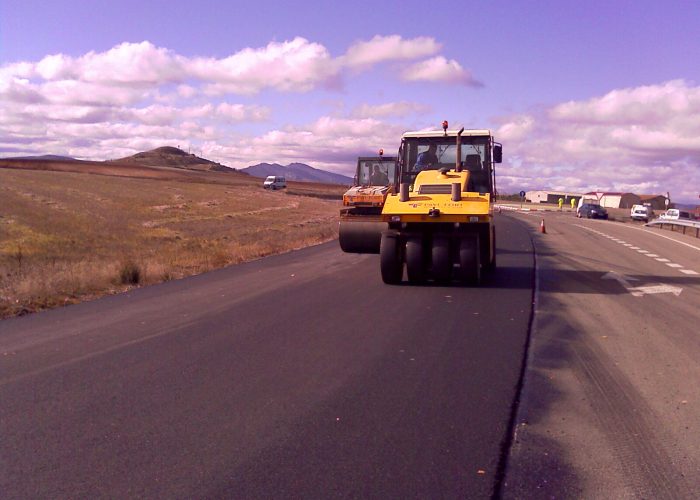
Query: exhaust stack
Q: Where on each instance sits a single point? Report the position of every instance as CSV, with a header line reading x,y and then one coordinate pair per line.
x,y
458,160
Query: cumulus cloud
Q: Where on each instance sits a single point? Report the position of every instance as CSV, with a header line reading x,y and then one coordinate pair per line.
x,y
388,48
128,63
330,143
297,65
390,109
137,95
439,69
644,140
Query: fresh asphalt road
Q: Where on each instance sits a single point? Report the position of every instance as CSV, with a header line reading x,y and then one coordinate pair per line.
x,y
302,375
610,406
299,375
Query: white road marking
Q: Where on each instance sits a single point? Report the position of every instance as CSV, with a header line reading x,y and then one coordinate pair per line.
x,y
658,289
638,291
612,275
623,280
659,235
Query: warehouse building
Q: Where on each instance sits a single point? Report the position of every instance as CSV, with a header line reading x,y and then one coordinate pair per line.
x,y
655,201
604,198
616,200
551,197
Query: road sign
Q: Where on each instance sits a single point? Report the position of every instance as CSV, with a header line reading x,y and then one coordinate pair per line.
x,y
522,194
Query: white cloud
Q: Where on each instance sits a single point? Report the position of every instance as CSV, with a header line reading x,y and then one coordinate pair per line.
x,y
128,63
294,66
644,139
328,142
390,109
389,48
439,69
641,105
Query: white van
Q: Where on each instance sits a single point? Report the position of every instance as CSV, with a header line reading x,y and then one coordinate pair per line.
x,y
641,212
275,182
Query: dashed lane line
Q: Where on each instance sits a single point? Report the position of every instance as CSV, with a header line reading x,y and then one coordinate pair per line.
x,y
673,265
627,226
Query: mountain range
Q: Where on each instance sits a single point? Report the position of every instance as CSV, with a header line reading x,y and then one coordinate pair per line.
x,y
168,156
296,172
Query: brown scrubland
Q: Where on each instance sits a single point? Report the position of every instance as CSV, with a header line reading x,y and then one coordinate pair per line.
x,y
71,231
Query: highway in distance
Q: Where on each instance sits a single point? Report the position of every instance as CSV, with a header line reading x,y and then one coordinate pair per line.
x,y
299,375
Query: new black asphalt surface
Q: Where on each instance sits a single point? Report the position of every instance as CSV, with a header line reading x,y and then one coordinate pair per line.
x,y
300,375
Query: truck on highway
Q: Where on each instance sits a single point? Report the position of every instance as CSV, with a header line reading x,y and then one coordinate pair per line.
x,y
361,225
440,212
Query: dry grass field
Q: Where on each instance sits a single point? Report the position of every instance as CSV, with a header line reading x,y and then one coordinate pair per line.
x,y
75,231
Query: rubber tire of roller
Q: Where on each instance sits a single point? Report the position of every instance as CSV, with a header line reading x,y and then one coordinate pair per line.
x,y
415,260
491,266
469,265
442,264
390,261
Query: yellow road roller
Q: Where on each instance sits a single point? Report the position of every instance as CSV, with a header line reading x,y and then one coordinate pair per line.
x,y
439,215
361,225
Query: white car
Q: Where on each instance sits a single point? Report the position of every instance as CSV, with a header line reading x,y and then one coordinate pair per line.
x,y
641,212
675,214
275,182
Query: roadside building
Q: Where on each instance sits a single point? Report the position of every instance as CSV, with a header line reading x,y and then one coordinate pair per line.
x,y
655,201
615,200
552,197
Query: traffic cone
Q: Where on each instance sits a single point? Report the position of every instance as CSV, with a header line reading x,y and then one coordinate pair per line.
x,y
542,228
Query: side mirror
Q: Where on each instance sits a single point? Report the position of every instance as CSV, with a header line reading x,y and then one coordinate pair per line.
x,y
497,153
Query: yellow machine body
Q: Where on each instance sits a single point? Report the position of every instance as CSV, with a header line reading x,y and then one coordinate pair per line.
x,y
427,196
439,218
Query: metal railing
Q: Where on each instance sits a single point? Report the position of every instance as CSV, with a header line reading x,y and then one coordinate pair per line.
x,y
682,226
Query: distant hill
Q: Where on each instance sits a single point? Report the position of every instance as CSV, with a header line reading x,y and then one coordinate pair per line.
x,y
41,157
168,156
296,172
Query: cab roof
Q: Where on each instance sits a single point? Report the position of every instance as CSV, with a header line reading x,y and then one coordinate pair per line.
x,y
450,133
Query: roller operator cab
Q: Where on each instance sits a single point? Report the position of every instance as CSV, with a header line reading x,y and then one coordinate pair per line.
x,y
361,226
440,213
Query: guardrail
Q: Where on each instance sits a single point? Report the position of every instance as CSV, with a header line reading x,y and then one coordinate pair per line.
x,y
684,226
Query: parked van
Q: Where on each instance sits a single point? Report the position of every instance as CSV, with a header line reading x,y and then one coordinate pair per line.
x,y
675,214
641,212
275,182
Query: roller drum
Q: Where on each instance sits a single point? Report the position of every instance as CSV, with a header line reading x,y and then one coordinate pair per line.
x,y
361,237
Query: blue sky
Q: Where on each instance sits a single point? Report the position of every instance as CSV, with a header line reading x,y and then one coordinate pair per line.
x,y
584,95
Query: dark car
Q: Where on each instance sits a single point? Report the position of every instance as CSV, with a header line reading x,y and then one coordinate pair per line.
x,y
591,211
